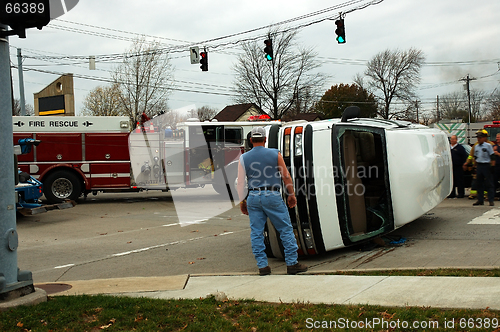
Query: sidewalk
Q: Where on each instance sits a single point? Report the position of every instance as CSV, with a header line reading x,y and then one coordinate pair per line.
x,y
440,292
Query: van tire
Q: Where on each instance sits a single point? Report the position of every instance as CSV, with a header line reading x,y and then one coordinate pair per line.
x,y
62,185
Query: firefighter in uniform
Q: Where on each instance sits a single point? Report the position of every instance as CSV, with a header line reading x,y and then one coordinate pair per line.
x,y
482,154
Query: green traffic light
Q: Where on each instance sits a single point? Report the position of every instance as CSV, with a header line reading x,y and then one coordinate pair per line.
x,y
268,49
340,31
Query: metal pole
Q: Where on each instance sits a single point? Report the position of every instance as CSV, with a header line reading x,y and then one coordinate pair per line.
x,y
21,82
8,267
11,280
437,109
467,86
416,106
468,98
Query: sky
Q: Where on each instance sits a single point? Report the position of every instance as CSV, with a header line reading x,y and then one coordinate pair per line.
x,y
457,37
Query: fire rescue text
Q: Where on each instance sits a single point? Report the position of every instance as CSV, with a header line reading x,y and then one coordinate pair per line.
x,y
53,124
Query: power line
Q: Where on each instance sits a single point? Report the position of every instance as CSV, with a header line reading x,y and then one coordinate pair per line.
x,y
183,48
463,63
316,13
109,80
204,85
319,12
342,61
122,31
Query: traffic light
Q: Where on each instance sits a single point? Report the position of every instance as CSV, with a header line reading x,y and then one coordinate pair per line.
x,y
340,31
204,61
268,49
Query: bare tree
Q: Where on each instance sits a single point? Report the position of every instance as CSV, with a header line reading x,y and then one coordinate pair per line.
x,y
304,101
393,75
192,114
412,112
145,80
206,113
282,83
16,108
426,118
478,112
103,101
453,106
172,118
493,105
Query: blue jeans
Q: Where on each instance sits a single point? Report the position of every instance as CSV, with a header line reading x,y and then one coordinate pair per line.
x,y
269,204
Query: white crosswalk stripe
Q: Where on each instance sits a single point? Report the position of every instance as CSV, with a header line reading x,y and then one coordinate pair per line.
x,y
491,217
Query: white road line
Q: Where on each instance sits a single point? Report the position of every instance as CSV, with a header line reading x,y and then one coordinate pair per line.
x,y
156,246
226,233
168,225
187,223
64,266
491,217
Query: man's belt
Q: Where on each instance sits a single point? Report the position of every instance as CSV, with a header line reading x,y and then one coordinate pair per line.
x,y
265,188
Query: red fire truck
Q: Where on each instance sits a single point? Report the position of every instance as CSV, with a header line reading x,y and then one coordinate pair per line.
x,y
493,129
82,155
78,154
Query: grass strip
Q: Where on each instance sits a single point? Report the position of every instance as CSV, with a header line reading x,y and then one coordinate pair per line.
x,y
109,313
424,272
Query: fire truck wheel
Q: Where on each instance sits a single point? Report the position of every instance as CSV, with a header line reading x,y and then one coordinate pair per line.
x,y
226,189
220,188
60,186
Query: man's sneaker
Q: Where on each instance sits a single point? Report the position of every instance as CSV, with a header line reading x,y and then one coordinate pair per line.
x,y
478,203
265,271
492,204
297,268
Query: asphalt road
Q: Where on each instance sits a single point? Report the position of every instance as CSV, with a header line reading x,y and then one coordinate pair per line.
x,y
142,234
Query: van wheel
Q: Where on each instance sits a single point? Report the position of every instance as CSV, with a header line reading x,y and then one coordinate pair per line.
x,y
60,186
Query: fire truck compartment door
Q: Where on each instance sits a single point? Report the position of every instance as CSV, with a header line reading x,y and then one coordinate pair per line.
x,y
175,163
106,146
65,147
110,175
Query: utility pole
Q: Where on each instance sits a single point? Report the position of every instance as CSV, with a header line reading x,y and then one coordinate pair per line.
x,y
21,82
416,106
13,283
467,86
437,110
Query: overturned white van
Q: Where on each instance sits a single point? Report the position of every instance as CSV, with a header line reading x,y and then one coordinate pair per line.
x,y
356,179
